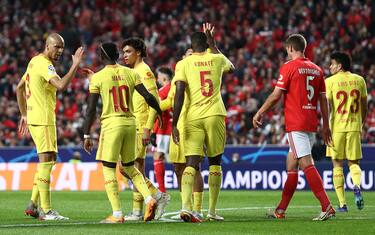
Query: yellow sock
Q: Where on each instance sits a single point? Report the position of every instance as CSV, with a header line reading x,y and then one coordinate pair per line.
x,y
338,183
214,184
140,184
35,191
44,176
154,191
355,173
137,203
197,202
182,205
111,187
187,183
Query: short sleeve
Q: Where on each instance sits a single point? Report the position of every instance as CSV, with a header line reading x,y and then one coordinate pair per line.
x,y
284,78
227,65
137,79
94,86
322,84
180,74
328,85
48,71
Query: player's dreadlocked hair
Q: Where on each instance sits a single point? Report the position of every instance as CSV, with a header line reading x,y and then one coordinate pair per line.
x,y
138,44
109,51
342,58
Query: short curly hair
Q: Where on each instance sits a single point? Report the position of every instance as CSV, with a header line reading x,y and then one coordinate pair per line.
x,y
137,43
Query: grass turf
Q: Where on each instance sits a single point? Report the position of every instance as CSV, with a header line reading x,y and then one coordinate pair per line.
x,y
244,212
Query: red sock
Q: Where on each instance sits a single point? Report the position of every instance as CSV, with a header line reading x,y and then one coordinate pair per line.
x,y
159,169
288,190
316,184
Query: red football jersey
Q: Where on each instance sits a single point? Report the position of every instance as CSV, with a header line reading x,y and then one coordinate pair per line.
x,y
303,82
166,116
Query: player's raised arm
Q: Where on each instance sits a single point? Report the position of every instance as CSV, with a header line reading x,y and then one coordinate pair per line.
x,y
151,101
178,102
62,84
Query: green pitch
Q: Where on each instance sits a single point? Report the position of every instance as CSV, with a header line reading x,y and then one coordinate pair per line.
x,y
244,213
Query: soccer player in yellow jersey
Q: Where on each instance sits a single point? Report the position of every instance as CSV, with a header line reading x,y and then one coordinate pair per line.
x,y
176,152
134,51
115,84
200,75
36,97
347,96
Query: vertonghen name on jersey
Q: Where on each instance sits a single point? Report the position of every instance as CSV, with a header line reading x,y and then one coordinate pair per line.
x,y
309,71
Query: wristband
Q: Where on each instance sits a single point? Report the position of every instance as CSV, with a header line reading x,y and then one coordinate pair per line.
x,y
86,136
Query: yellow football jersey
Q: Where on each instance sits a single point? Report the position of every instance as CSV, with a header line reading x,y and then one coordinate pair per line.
x,y
344,91
145,115
115,84
203,73
169,102
40,94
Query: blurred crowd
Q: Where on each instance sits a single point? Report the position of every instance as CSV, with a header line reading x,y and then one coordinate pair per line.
x,y
250,33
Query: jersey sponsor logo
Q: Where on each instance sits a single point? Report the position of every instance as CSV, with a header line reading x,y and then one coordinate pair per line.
x,y
51,69
149,74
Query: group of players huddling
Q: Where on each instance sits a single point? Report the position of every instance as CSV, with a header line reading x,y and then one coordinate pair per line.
x,y
197,127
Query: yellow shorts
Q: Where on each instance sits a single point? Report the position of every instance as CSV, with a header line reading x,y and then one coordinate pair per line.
x,y
117,144
44,138
347,145
176,152
208,132
141,149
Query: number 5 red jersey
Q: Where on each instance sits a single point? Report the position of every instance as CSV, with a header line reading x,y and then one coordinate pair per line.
x,y
303,83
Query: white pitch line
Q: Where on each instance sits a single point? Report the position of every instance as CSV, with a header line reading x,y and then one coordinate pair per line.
x,y
168,220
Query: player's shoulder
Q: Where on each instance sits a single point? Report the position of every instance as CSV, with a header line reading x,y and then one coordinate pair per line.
x,y
357,76
180,64
144,70
40,60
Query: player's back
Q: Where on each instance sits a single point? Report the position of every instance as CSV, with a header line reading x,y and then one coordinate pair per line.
x,y
115,84
303,81
203,74
346,89
40,94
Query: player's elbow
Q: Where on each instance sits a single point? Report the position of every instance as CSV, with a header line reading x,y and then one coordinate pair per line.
x,y
61,87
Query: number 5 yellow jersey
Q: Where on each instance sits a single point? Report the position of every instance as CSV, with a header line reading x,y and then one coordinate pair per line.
x,y
344,91
203,74
115,84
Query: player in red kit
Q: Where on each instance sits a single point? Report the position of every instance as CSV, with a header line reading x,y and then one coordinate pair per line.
x,y
161,150
302,84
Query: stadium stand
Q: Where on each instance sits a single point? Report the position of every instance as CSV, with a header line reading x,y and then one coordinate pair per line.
x,y
250,32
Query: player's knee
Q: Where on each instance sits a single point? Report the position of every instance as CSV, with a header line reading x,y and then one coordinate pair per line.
x,y
193,161
109,164
215,160
353,162
129,171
